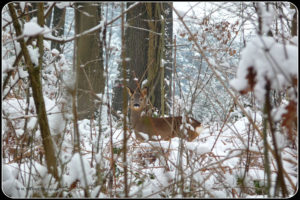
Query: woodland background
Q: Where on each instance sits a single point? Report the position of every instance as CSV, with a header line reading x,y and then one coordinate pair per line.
x,y
231,65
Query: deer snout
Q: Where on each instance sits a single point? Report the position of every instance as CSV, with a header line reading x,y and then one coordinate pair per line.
x,y
136,105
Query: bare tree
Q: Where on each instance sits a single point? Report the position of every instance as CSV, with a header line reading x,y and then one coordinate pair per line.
x,y
145,37
88,57
36,85
58,23
136,46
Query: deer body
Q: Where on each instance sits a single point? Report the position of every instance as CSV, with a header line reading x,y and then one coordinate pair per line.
x,y
163,128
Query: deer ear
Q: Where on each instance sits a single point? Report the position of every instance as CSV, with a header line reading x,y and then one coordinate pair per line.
x,y
130,91
144,91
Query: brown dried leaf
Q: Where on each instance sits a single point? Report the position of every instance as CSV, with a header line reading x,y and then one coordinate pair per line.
x,y
232,52
289,120
182,34
251,80
73,185
294,81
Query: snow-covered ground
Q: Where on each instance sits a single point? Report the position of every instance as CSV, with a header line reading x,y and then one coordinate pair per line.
x,y
225,161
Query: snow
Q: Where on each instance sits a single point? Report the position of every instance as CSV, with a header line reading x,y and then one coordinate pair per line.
x,y
32,28
55,52
144,83
294,40
6,67
278,112
144,136
195,147
32,123
212,164
22,73
62,5
269,59
199,129
80,172
69,80
22,5
11,188
198,159
56,120
34,55
267,17
47,45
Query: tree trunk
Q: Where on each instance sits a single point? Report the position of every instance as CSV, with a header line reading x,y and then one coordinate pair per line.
x,y
294,27
36,85
145,50
136,46
168,50
88,58
48,19
155,71
58,23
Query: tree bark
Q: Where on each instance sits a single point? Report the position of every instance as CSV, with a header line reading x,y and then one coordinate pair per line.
x,y
294,27
155,73
88,57
36,86
144,48
168,50
48,19
125,103
136,46
58,25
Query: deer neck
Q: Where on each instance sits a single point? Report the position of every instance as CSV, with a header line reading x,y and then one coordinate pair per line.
x,y
135,117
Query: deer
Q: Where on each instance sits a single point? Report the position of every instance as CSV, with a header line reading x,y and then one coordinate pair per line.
x,y
158,128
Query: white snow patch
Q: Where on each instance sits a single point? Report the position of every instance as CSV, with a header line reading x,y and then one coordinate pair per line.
x,y
199,129
76,171
55,116
32,28
197,148
269,59
34,55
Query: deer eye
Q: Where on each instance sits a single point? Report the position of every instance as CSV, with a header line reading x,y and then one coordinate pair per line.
x,y
141,99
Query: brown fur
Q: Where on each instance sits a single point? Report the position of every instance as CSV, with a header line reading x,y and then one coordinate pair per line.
x,y
163,128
